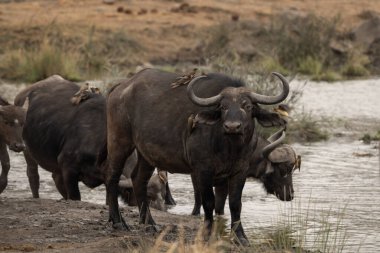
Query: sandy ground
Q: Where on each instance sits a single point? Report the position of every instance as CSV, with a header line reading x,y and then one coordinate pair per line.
x,y
44,225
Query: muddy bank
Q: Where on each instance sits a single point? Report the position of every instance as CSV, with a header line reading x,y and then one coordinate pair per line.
x,y
45,225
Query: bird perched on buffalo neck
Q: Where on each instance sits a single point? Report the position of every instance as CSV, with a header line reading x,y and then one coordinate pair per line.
x,y
283,110
184,80
84,93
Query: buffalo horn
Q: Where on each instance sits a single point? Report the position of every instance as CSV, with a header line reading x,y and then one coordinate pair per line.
x,y
270,100
201,101
275,140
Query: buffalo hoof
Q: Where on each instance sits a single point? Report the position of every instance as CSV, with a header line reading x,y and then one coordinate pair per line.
x,y
121,226
3,185
244,242
170,201
196,213
241,239
153,229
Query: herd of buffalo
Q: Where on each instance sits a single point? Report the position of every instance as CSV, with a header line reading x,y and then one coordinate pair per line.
x,y
204,127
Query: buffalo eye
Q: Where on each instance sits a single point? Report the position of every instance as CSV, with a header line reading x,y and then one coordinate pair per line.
x,y
9,123
224,107
248,107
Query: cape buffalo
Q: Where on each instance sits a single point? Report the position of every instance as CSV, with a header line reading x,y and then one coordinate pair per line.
x,y
208,130
272,163
65,132
11,123
63,138
158,187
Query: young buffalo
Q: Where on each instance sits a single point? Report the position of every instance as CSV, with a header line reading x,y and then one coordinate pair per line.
x,y
11,123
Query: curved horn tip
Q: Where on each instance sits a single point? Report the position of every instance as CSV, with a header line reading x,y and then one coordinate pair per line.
x,y
277,74
275,140
201,101
270,100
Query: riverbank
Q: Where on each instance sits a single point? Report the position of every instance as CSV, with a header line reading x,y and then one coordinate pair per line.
x,y
334,192
45,225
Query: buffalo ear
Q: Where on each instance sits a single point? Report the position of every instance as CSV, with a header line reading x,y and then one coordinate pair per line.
x,y
269,168
207,117
269,119
283,153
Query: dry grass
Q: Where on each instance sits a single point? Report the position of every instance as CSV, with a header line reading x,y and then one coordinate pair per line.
x,y
298,229
85,53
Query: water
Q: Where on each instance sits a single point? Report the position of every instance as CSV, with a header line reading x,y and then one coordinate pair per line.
x,y
354,100
339,181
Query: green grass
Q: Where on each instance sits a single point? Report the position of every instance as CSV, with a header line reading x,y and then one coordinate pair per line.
x,y
306,128
77,53
298,229
329,76
35,65
368,138
310,66
270,64
355,70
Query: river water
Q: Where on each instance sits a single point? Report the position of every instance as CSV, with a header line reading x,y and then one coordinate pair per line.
x,y
337,189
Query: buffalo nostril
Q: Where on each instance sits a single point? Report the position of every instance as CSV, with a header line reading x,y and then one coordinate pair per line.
x,y
232,126
17,147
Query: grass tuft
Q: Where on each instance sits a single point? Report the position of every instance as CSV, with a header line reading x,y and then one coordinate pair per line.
x,y
368,138
75,53
305,128
38,64
310,66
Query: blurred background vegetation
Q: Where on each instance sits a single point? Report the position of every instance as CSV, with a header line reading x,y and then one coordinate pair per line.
x,y
308,45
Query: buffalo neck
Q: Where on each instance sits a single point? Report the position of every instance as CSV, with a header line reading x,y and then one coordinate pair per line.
x,y
256,161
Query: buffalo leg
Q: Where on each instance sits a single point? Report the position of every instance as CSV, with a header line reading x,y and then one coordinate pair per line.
x,y
32,173
117,155
197,196
114,172
208,198
5,166
58,180
70,181
140,179
169,200
119,147
235,189
221,192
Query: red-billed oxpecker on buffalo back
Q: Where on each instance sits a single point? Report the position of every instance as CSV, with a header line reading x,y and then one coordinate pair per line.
x,y
272,163
63,138
145,113
11,123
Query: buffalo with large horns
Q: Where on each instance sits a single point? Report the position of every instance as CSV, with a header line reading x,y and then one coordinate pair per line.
x,y
207,129
272,163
